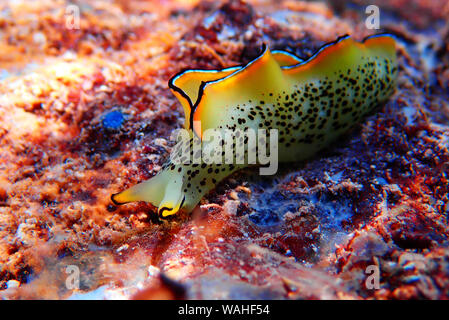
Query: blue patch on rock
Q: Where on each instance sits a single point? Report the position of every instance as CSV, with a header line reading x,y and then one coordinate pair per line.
x,y
113,120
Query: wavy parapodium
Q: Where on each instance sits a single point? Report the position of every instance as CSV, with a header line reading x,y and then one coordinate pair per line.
x,y
310,102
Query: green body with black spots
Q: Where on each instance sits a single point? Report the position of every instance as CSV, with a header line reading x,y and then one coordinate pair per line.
x,y
310,103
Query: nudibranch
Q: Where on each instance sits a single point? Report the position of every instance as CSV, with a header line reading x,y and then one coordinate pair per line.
x,y
310,102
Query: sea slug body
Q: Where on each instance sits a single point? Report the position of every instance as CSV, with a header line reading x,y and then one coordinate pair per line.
x,y
310,103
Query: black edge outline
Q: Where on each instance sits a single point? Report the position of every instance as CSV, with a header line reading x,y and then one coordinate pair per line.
x,y
172,86
162,210
204,83
115,201
395,35
242,67
177,89
381,34
192,105
318,51
182,202
338,40
289,54
167,208
171,81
